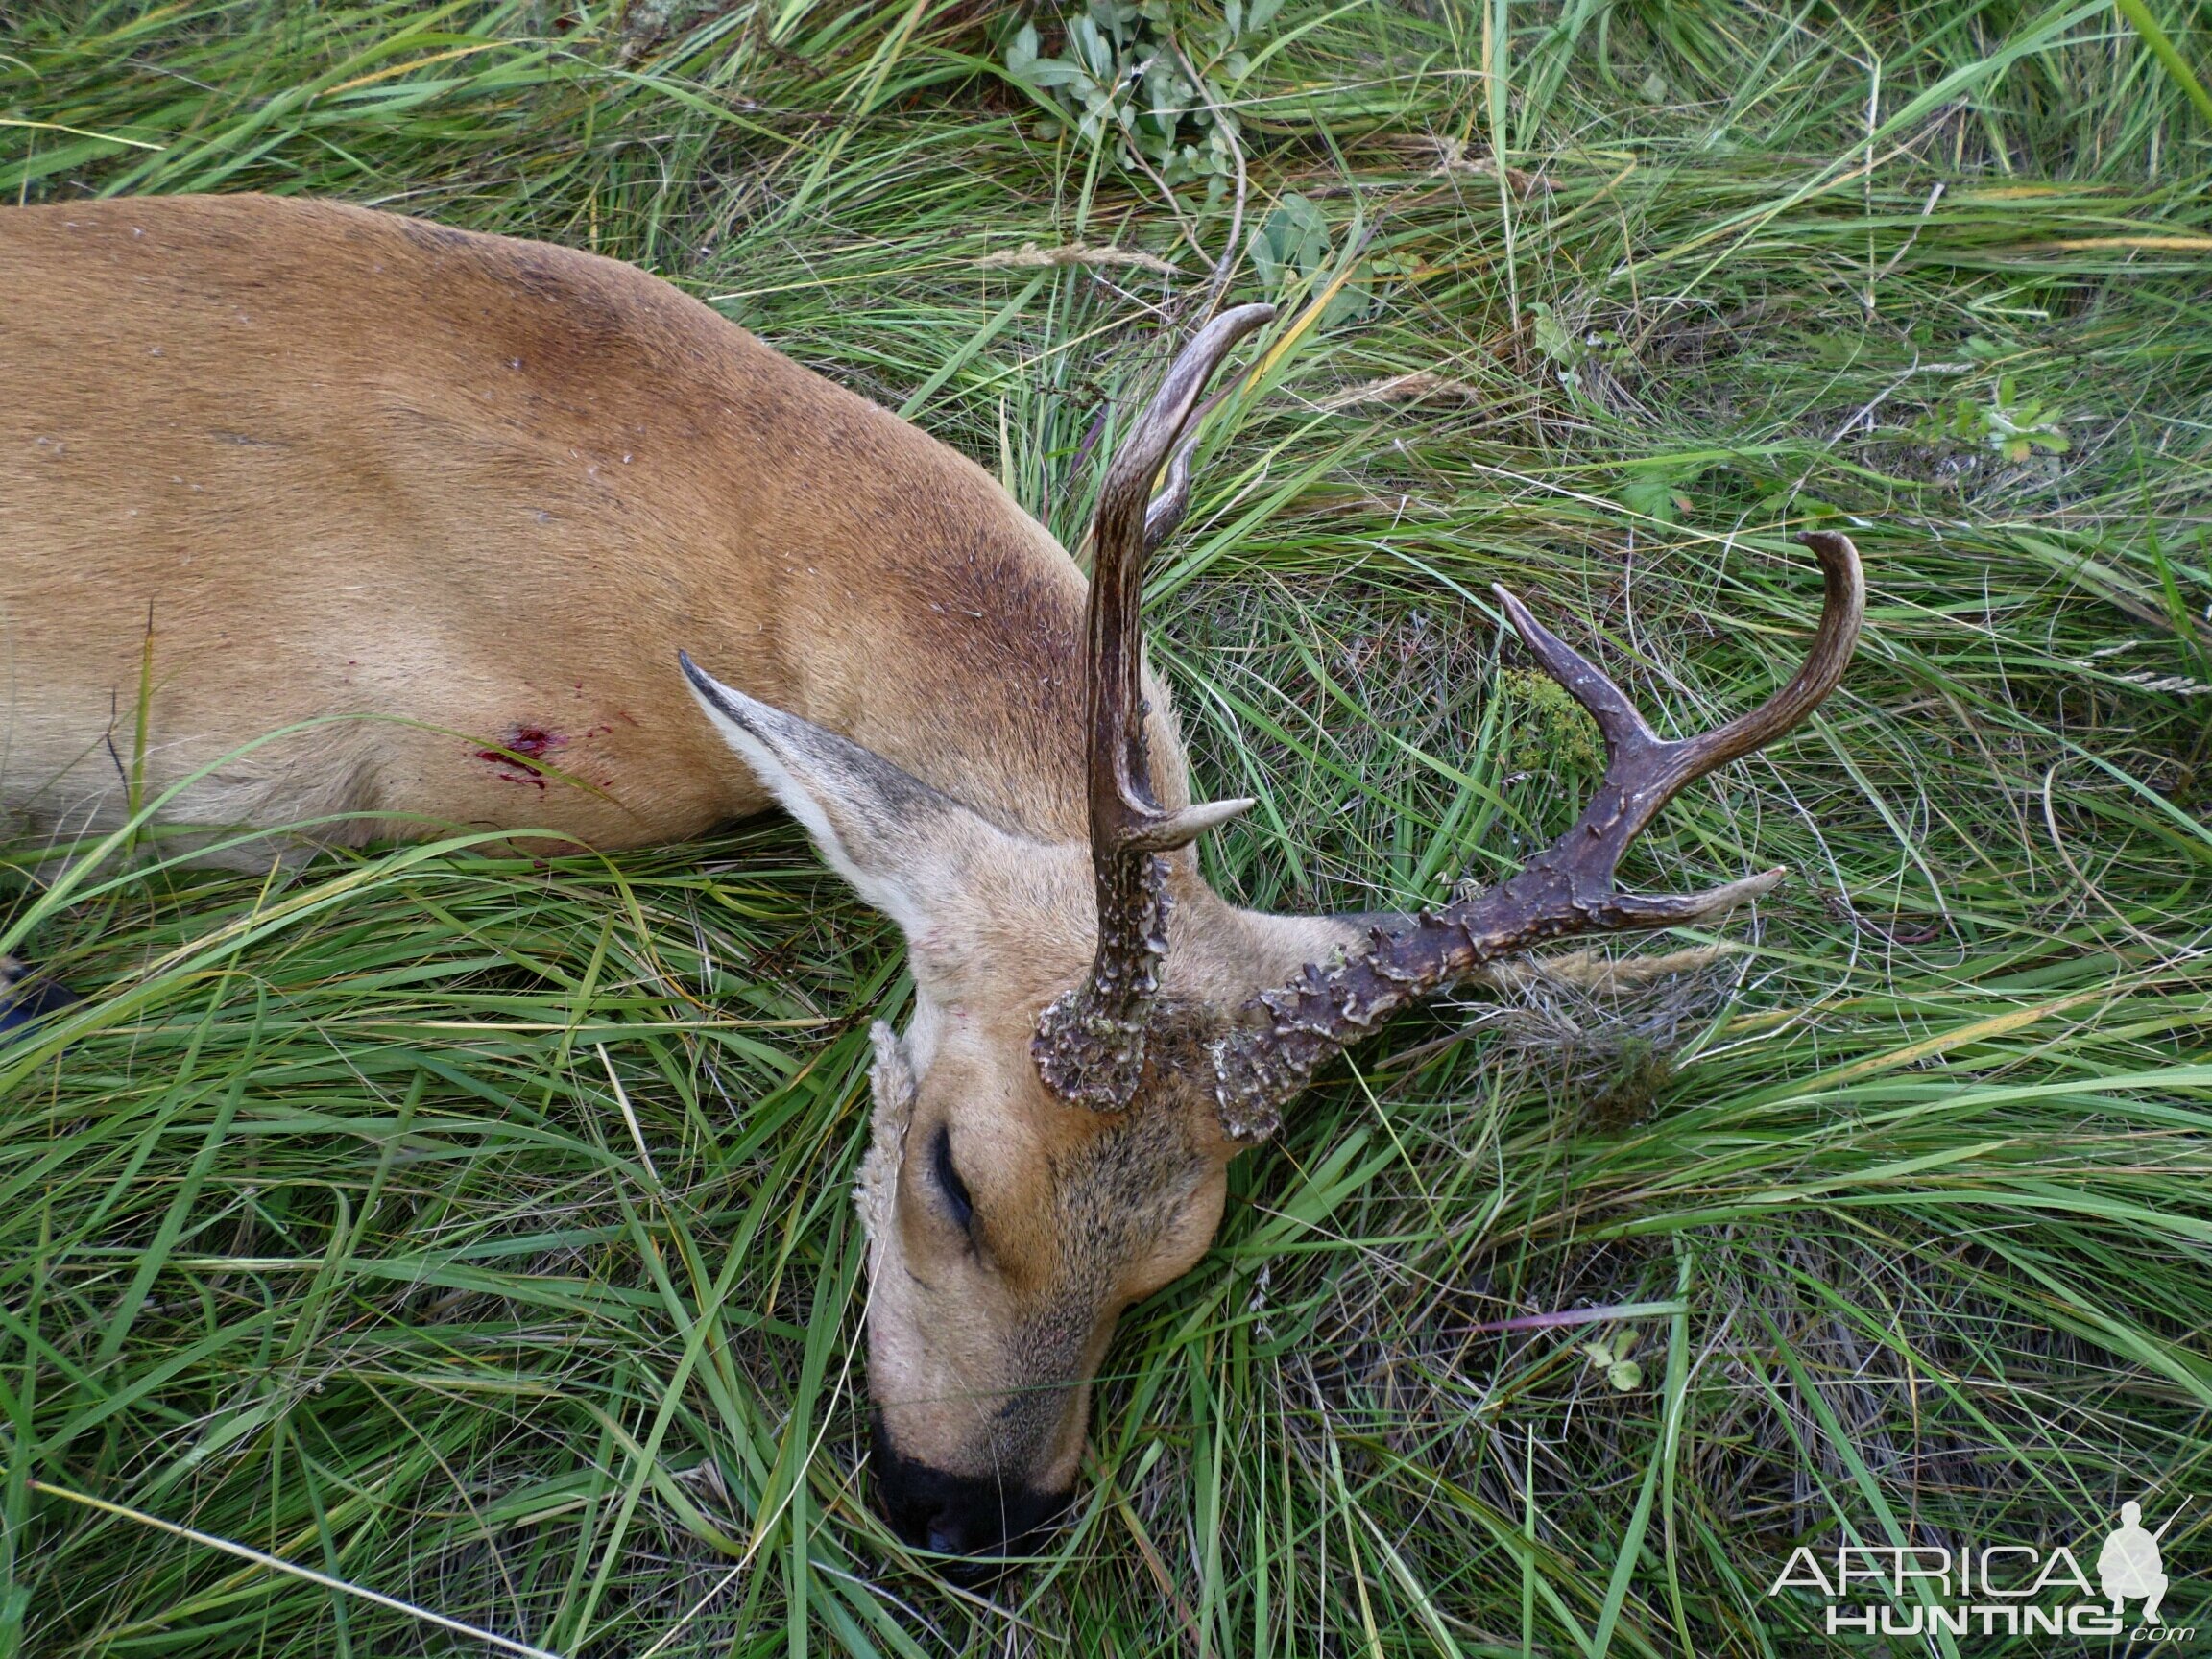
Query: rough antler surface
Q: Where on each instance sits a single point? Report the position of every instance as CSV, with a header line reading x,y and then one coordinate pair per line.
x,y
1282,1035
1089,1044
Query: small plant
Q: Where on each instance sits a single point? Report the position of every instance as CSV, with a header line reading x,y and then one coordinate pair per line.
x,y
1123,79
2013,428
1584,360
1660,493
1623,1375
1553,338
1294,245
1292,242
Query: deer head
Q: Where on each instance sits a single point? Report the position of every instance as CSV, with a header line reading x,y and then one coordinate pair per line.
x,y
1097,1034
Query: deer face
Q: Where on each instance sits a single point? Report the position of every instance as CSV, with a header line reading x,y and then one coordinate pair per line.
x,y
1007,1232
1007,1227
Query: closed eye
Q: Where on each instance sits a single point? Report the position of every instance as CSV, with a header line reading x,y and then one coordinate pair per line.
x,y
948,1182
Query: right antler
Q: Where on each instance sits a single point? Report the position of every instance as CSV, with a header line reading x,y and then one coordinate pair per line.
x,y
1282,1035
1089,1044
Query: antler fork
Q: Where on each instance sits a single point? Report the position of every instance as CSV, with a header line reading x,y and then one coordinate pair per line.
x,y
1278,1039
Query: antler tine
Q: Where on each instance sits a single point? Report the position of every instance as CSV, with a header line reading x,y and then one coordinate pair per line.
x,y
1121,537
1164,513
1842,611
1283,1035
1089,1042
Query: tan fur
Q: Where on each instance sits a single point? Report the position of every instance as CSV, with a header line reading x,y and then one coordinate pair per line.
x,y
460,499
352,465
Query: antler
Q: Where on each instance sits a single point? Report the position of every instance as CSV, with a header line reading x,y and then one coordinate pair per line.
x,y
1089,1044
1280,1038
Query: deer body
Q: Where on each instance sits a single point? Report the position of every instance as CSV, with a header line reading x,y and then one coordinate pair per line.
x,y
459,500
347,463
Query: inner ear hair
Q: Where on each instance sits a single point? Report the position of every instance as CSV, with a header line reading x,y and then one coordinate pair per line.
x,y
901,844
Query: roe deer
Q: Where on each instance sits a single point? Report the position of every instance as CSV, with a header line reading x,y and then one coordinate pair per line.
x,y
482,490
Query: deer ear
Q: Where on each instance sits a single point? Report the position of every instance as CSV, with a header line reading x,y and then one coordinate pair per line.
x,y
903,846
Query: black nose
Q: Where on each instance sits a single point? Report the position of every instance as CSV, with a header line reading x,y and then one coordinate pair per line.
x,y
959,1514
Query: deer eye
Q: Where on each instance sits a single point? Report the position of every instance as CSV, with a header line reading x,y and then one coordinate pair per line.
x,y
948,1182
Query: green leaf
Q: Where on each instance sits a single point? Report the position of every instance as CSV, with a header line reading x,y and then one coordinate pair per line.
x,y
1553,338
1654,499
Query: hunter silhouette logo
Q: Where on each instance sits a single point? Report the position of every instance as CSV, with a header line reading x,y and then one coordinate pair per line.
x,y
1994,1589
2128,1565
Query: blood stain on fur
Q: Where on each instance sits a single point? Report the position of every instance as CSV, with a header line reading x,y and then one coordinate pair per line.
x,y
518,751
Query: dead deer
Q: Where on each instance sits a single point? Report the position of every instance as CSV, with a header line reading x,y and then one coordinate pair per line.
x,y
471,494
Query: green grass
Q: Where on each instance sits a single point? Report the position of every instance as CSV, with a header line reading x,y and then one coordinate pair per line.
x,y
475,1231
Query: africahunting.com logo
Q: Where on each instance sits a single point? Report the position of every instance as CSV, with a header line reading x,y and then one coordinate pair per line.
x,y
1993,1589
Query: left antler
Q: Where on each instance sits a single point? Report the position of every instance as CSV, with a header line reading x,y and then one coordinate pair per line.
x,y
1279,1039
1089,1044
